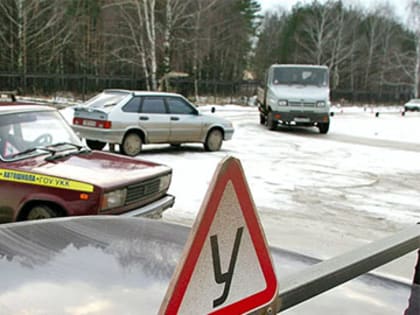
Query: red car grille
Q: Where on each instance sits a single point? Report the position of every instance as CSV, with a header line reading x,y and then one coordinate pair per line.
x,y
143,190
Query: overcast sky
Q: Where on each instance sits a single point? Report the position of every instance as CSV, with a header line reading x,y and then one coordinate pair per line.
x,y
401,6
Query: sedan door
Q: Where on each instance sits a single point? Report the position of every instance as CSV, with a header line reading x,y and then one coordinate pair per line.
x,y
154,119
186,122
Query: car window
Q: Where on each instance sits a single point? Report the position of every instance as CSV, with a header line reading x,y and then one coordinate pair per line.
x,y
133,105
105,100
179,106
153,105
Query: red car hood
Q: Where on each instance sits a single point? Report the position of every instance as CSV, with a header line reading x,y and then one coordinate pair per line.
x,y
98,168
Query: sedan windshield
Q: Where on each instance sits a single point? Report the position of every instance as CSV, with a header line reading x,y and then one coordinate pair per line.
x,y
32,133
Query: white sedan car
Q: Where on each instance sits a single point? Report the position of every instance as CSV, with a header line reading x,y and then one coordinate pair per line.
x,y
413,105
133,118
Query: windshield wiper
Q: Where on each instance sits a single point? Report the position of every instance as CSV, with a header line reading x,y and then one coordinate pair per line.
x,y
49,149
78,147
24,152
66,143
55,156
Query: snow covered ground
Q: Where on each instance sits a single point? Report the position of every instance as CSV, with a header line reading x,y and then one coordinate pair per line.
x,y
319,195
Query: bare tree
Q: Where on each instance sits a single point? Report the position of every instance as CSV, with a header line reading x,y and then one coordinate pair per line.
x,y
317,32
200,36
343,45
376,28
177,18
36,26
415,20
136,36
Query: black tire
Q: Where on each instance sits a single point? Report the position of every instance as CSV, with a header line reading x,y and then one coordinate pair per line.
x,y
271,124
95,145
131,144
262,119
41,211
323,127
214,140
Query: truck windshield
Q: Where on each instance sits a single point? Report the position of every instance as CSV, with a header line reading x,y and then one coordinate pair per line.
x,y
300,75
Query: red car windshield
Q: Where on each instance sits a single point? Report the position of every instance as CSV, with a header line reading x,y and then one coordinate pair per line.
x,y
31,131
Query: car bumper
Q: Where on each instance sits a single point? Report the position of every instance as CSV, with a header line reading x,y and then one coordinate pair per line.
x,y
300,118
104,135
228,133
152,210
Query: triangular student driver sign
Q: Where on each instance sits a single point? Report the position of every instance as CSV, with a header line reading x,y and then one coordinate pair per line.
x,y
226,267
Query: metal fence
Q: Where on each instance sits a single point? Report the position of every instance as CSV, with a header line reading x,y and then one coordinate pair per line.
x,y
85,85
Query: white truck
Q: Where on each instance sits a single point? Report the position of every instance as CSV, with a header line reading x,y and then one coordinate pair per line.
x,y
295,95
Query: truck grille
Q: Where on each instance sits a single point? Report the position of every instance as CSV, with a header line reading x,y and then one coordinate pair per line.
x,y
301,104
140,191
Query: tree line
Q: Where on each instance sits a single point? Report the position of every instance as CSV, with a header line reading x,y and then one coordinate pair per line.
x,y
206,40
365,51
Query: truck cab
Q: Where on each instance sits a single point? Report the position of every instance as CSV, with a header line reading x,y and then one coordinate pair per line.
x,y
295,95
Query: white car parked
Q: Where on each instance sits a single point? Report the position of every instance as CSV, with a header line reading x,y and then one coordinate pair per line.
x,y
412,105
133,118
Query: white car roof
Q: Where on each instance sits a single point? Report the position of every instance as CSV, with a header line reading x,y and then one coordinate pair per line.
x,y
142,93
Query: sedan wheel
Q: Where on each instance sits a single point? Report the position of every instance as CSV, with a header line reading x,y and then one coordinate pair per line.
x,y
41,212
214,140
131,144
262,119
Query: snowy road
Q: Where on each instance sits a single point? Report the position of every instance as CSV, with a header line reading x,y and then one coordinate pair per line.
x,y
320,195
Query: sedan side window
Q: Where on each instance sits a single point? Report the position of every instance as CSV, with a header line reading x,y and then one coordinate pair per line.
x,y
133,105
179,106
153,105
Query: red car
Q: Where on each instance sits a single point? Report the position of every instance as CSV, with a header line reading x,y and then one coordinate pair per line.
x,y
46,171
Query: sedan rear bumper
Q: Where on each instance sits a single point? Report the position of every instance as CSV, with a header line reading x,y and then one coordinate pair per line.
x,y
152,210
104,135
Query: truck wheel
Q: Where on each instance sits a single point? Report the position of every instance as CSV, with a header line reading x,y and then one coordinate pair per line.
x,y
214,140
271,124
323,127
262,119
95,145
131,144
41,212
